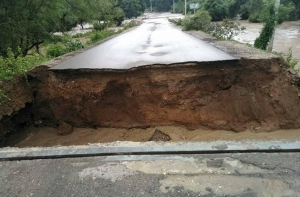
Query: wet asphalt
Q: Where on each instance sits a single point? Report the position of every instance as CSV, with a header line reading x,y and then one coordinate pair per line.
x,y
245,175
156,41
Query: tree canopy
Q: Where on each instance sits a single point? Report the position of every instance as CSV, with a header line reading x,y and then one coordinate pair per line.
x,y
26,24
253,10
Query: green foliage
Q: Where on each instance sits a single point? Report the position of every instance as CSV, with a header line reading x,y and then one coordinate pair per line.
x,y
55,50
216,8
178,21
267,32
107,12
25,24
131,24
99,26
29,23
226,30
286,12
289,59
131,8
162,5
100,35
65,45
200,21
11,65
74,45
255,17
235,8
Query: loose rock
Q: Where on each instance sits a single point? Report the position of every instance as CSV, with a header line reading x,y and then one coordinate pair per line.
x,y
64,129
159,136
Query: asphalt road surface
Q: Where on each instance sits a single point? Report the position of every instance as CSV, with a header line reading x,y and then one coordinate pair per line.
x,y
156,41
243,175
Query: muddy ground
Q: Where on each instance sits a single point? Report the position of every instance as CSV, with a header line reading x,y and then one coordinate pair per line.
x,y
47,136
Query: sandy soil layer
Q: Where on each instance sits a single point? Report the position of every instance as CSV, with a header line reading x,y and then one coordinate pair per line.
x,y
47,137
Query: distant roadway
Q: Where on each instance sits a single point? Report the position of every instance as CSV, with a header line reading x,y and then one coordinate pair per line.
x,y
156,41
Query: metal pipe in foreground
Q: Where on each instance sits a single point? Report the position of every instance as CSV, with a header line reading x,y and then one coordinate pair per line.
x,y
150,148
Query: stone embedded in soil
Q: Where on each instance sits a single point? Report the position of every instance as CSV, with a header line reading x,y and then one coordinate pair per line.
x,y
160,136
64,129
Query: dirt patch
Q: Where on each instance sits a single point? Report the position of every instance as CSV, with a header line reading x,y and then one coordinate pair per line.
x,y
47,136
15,107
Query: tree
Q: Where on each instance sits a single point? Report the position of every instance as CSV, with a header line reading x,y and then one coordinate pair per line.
x,y
162,5
26,23
286,12
131,8
107,12
235,7
216,8
200,21
266,34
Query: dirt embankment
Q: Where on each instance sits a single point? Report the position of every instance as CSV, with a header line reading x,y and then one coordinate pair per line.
x,y
15,113
256,95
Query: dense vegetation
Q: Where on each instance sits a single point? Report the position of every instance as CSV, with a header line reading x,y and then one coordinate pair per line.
x,y
27,28
26,24
29,25
252,10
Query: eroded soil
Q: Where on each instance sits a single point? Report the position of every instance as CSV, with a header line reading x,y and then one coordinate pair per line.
x,y
234,95
237,96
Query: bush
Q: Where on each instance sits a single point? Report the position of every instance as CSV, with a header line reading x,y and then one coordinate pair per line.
x,y
217,9
99,26
131,24
100,35
74,45
226,30
200,21
289,59
178,21
55,50
11,65
58,38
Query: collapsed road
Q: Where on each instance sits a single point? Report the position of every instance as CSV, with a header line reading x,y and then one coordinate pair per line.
x,y
222,86
236,88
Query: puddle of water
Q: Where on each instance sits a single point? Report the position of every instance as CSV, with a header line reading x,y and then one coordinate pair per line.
x,y
159,54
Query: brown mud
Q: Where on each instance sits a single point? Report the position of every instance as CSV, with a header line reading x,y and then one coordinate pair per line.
x,y
47,136
243,95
